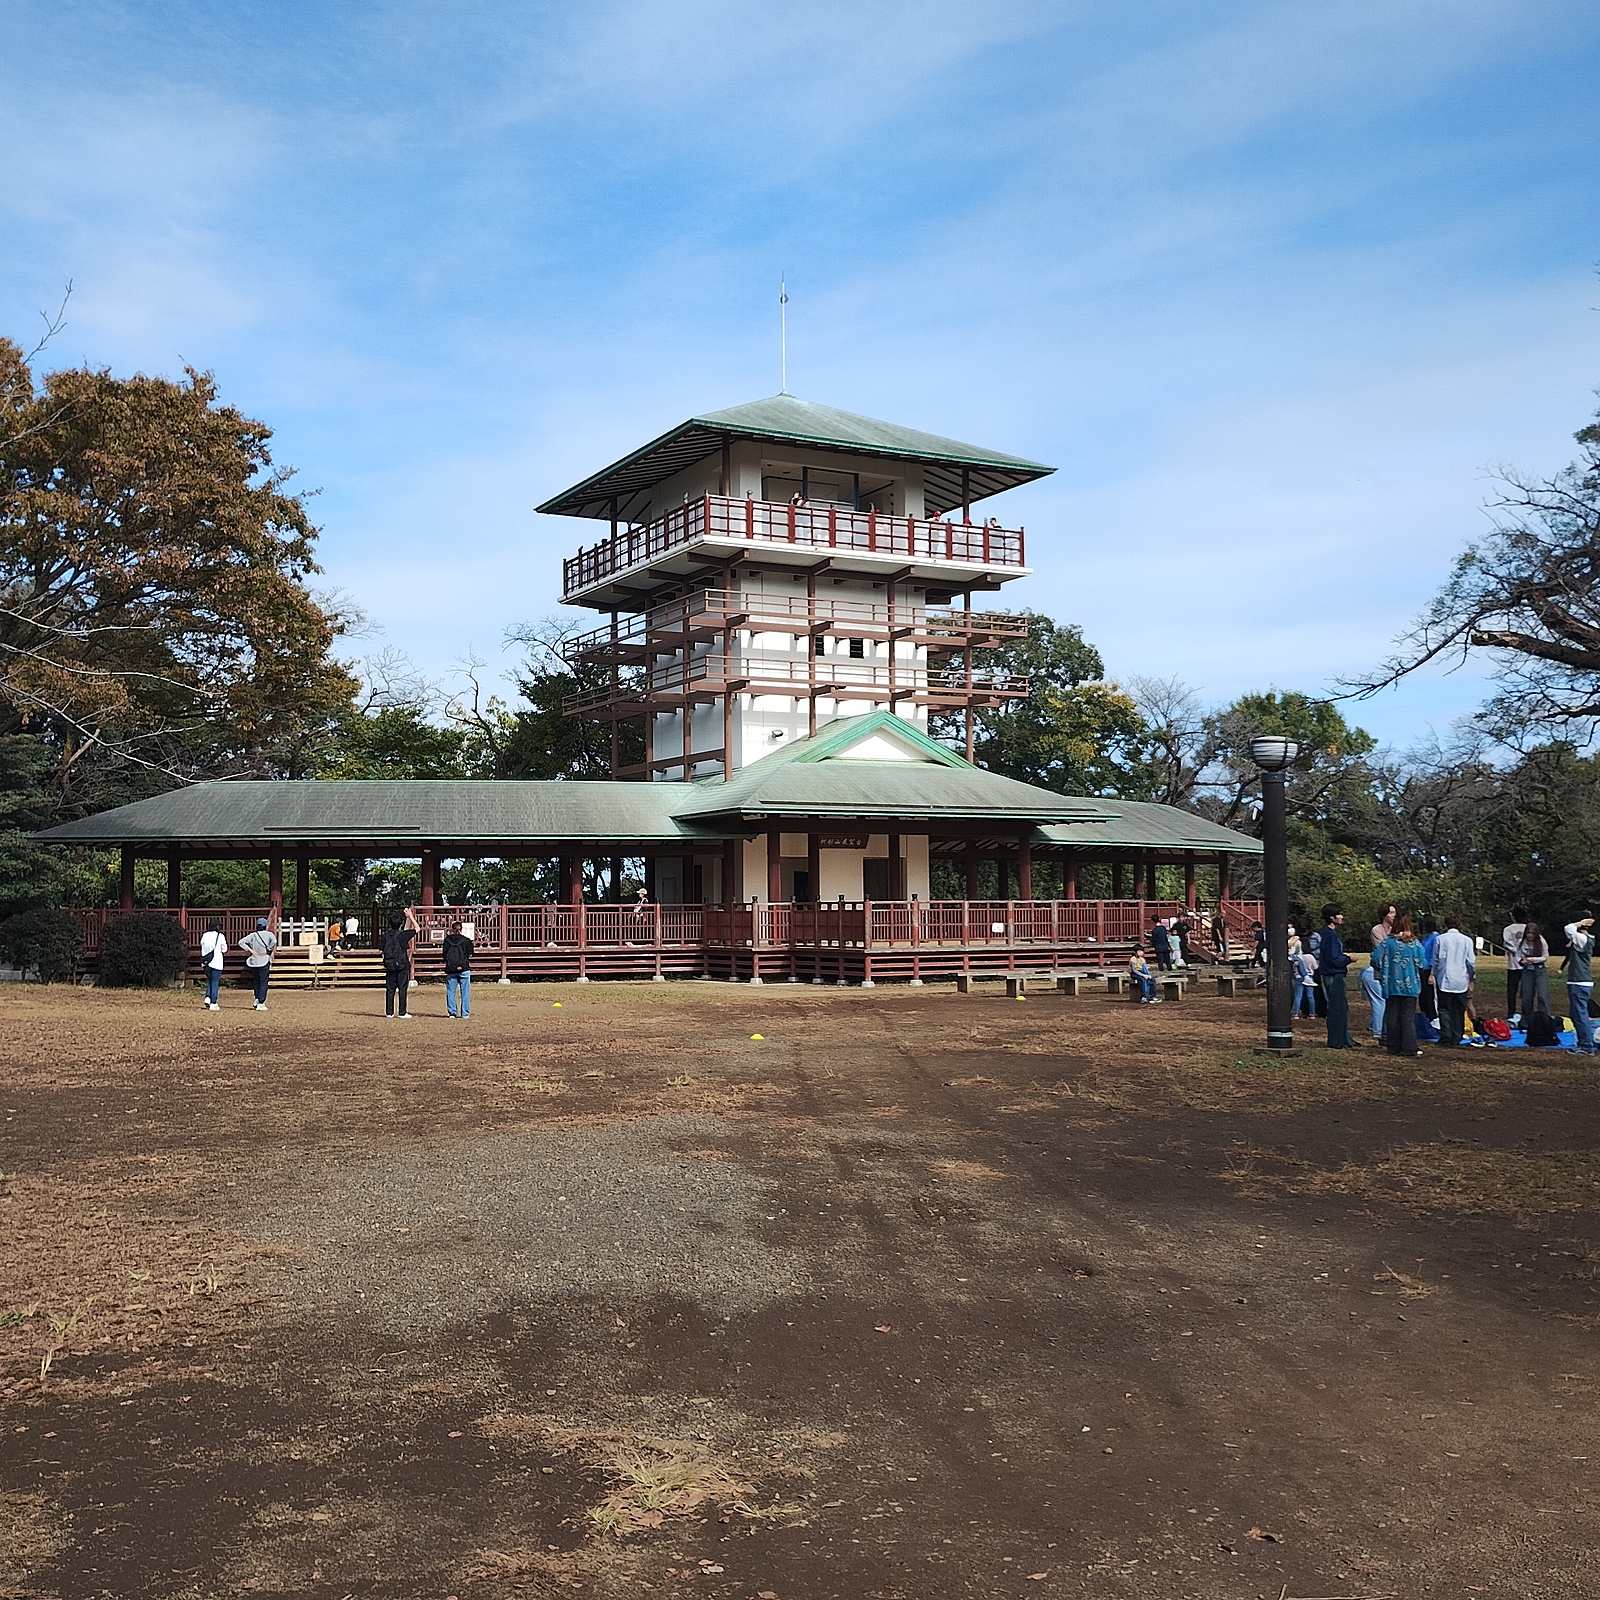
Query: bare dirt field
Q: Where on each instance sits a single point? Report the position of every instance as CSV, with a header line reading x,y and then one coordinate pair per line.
x,y
914,1295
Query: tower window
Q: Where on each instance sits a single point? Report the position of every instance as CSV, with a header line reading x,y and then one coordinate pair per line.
x,y
858,649
819,645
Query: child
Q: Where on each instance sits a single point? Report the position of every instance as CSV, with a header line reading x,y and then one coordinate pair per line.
x,y
1143,978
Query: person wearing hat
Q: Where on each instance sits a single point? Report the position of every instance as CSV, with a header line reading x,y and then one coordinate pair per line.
x,y
259,948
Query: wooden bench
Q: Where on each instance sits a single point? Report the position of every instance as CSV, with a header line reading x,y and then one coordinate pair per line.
x,y
1016,982
1172,987
1228,987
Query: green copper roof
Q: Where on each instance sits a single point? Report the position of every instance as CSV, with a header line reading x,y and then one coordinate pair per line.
x,y
854,770
385,811
784,419
929,780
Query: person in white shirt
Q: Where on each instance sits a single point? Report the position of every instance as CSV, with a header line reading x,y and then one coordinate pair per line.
x,y
1580,980
1511,939
259,948
213,945
1455,965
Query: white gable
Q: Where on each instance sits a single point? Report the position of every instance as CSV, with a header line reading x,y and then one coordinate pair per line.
x,y
883,746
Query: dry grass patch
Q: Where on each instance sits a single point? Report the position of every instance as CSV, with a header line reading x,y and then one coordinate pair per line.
x,y
1437,1177
653,1479
31,1532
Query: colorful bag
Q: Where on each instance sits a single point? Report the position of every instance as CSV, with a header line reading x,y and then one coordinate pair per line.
x,y
1498,1029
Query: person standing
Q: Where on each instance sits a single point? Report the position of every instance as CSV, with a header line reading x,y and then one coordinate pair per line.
x,y
213,946
1533,956
1383,927
1455,965
397,944
1580,980
1372,988
1428,1000
1182,931
1161,944
1400,967
1333,964
1511,941
457,973
259,948
352,927
1219,935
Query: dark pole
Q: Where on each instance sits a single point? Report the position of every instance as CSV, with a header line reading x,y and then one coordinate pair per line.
x,y
1275,865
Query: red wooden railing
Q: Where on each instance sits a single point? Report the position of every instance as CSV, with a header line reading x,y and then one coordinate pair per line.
x,y
819,527
868,924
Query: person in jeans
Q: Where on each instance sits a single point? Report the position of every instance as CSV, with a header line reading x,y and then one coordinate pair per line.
x,y
1372,988
397,944
259,948
1143,979
1511,939
1333,964
1401,968
1533,956
457,972
1455,966
213,946
1580,980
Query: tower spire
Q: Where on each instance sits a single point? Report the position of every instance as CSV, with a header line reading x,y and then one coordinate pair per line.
x,y
783,335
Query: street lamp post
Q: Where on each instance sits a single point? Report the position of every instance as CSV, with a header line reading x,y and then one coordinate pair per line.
x,y
1273,754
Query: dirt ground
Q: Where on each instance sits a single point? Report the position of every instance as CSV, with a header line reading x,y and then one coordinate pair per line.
x,y
785,1292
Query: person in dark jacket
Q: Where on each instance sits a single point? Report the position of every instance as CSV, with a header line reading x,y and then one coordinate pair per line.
x,y
397,943
1161,943
1332,964
457,972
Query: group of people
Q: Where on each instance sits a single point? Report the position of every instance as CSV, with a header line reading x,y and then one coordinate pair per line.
x,y
397,946
1420,980
261,945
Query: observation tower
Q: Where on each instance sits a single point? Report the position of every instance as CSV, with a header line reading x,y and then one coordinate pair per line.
x,y
770,568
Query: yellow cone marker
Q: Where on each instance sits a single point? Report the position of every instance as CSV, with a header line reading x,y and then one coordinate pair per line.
x,y
556,1004
758,1036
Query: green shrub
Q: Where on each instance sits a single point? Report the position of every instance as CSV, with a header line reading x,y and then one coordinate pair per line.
x,y
48,944
142,951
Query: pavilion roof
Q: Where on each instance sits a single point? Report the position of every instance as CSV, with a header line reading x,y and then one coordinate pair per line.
x,y
784,419
854,770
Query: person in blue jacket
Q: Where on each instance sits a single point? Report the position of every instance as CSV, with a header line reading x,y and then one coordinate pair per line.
x,y
1402,970
1333,964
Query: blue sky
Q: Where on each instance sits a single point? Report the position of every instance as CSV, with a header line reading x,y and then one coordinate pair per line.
x,y
1276,286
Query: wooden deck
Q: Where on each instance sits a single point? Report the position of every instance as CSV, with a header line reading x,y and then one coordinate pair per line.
x,y
861,942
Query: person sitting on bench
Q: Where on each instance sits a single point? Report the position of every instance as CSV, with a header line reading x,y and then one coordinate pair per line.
x,y
1143,979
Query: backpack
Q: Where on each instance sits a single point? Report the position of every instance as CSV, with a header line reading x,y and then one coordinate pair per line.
x,y
1498,1029
1541,1031
396,950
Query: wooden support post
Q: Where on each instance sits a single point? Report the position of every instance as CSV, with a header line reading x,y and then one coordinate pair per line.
x,y
616,879
725,478
275,886
1188,879
302,885
972,869
174,878
574,869
774,865
125,899
430,871
1025,868
814,866
1116,880
732,875
1139,887
650,880
1069,871
1224,861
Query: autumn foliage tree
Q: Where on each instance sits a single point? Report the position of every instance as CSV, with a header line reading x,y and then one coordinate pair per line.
x,y
156,623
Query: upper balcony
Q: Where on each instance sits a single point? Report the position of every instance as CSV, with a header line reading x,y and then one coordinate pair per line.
x,y
628,570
